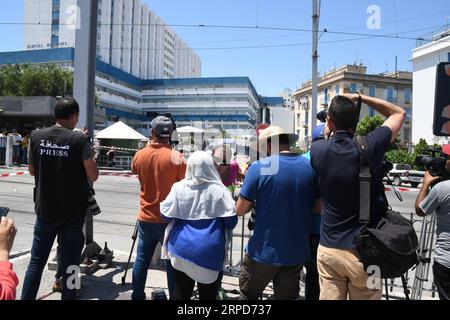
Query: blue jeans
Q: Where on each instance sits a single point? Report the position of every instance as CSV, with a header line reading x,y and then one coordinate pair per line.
x,y
149,236
71,240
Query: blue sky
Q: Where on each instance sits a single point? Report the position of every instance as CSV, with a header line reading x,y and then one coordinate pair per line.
x,y
272,69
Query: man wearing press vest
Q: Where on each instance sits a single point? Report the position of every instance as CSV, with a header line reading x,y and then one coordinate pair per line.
x,y
337,163
62,162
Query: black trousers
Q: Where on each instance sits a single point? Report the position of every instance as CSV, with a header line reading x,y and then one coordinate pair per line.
x,y
312,287
442,280
184,286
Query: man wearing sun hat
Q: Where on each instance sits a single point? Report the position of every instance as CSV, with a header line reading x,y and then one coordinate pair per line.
x,y
158,167
283,185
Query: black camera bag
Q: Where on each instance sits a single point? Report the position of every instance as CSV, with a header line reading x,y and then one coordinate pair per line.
x,y
392,244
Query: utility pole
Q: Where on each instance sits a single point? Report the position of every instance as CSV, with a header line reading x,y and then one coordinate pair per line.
x,y
84,88
315,57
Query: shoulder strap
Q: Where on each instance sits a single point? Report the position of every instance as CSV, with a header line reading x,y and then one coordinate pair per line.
x,y
364,179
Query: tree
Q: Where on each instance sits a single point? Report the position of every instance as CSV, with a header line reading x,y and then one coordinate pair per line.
x,y
297,150
10,80
30,80
421,147
368,124
401,156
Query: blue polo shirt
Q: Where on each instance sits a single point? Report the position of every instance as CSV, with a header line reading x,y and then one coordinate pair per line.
x,y
284,188
336,163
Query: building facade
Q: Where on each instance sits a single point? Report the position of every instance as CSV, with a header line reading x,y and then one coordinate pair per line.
x,y
395,88
288,99
425,58
230,104
130,37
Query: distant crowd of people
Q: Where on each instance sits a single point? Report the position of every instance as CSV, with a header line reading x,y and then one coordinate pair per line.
x,y
20,146
306,208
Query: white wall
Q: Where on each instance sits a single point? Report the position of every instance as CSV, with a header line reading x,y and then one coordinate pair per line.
x,y
37,36
143,59
66,33
283,118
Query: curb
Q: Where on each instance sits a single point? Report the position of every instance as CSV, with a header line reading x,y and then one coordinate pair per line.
x,y
400,189
12,174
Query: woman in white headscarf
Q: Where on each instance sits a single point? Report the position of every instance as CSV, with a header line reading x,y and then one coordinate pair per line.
x,y
201,211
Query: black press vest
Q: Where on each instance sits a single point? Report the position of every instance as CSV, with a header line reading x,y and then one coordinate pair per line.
x,y
61,182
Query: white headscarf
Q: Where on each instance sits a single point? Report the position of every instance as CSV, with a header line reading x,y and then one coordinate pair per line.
x,y
201,195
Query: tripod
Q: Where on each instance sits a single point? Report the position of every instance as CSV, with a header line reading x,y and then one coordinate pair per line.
x,y
134,237
424,255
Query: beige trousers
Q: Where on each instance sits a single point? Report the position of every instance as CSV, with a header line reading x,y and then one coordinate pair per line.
x,y
342,274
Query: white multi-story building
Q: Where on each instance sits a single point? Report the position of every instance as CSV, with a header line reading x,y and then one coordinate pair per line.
x,y
288,99
229,104
129,37
425,58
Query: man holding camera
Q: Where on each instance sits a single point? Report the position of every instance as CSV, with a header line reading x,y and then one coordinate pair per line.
x,y
61,160
337,163
438,200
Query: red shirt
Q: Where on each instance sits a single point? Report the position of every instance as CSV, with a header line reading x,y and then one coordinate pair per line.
x,y
8,281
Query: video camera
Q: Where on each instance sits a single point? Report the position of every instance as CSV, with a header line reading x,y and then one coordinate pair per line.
x,y
436,163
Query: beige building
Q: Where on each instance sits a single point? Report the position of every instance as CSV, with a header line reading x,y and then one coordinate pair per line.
x,y
395,87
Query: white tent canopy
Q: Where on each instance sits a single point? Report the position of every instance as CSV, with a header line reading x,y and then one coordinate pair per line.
x,y
189,129
120,130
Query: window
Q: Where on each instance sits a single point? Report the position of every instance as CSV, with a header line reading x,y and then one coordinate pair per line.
x,y
407,92
338,88
448,57
390,94
55,30
325,96
372,90
353,87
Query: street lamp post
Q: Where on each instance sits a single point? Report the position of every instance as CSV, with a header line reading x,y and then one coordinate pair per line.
x,y
84,90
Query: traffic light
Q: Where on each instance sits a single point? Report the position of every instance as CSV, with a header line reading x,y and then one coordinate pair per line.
x,y
441,122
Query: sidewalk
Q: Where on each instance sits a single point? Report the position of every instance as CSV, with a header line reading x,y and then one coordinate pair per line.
x,y
106,284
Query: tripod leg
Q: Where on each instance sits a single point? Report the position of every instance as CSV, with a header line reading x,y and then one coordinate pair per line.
x,y
134,237
386,288
405,287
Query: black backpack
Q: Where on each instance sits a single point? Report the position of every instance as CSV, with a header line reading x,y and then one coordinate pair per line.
x,y
392,244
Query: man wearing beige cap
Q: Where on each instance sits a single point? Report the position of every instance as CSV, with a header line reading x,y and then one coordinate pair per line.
x,y
283,186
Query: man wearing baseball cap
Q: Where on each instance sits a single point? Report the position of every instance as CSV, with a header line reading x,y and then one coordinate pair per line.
x,y
158,167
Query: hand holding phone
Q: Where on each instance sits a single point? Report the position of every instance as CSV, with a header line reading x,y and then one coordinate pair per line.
x,y
7,235
3,211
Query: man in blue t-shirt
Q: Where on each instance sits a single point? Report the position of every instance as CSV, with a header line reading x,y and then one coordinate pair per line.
x,y
284,188
337,162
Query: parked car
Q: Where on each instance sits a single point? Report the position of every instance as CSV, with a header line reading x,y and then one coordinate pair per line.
x,y
404,174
